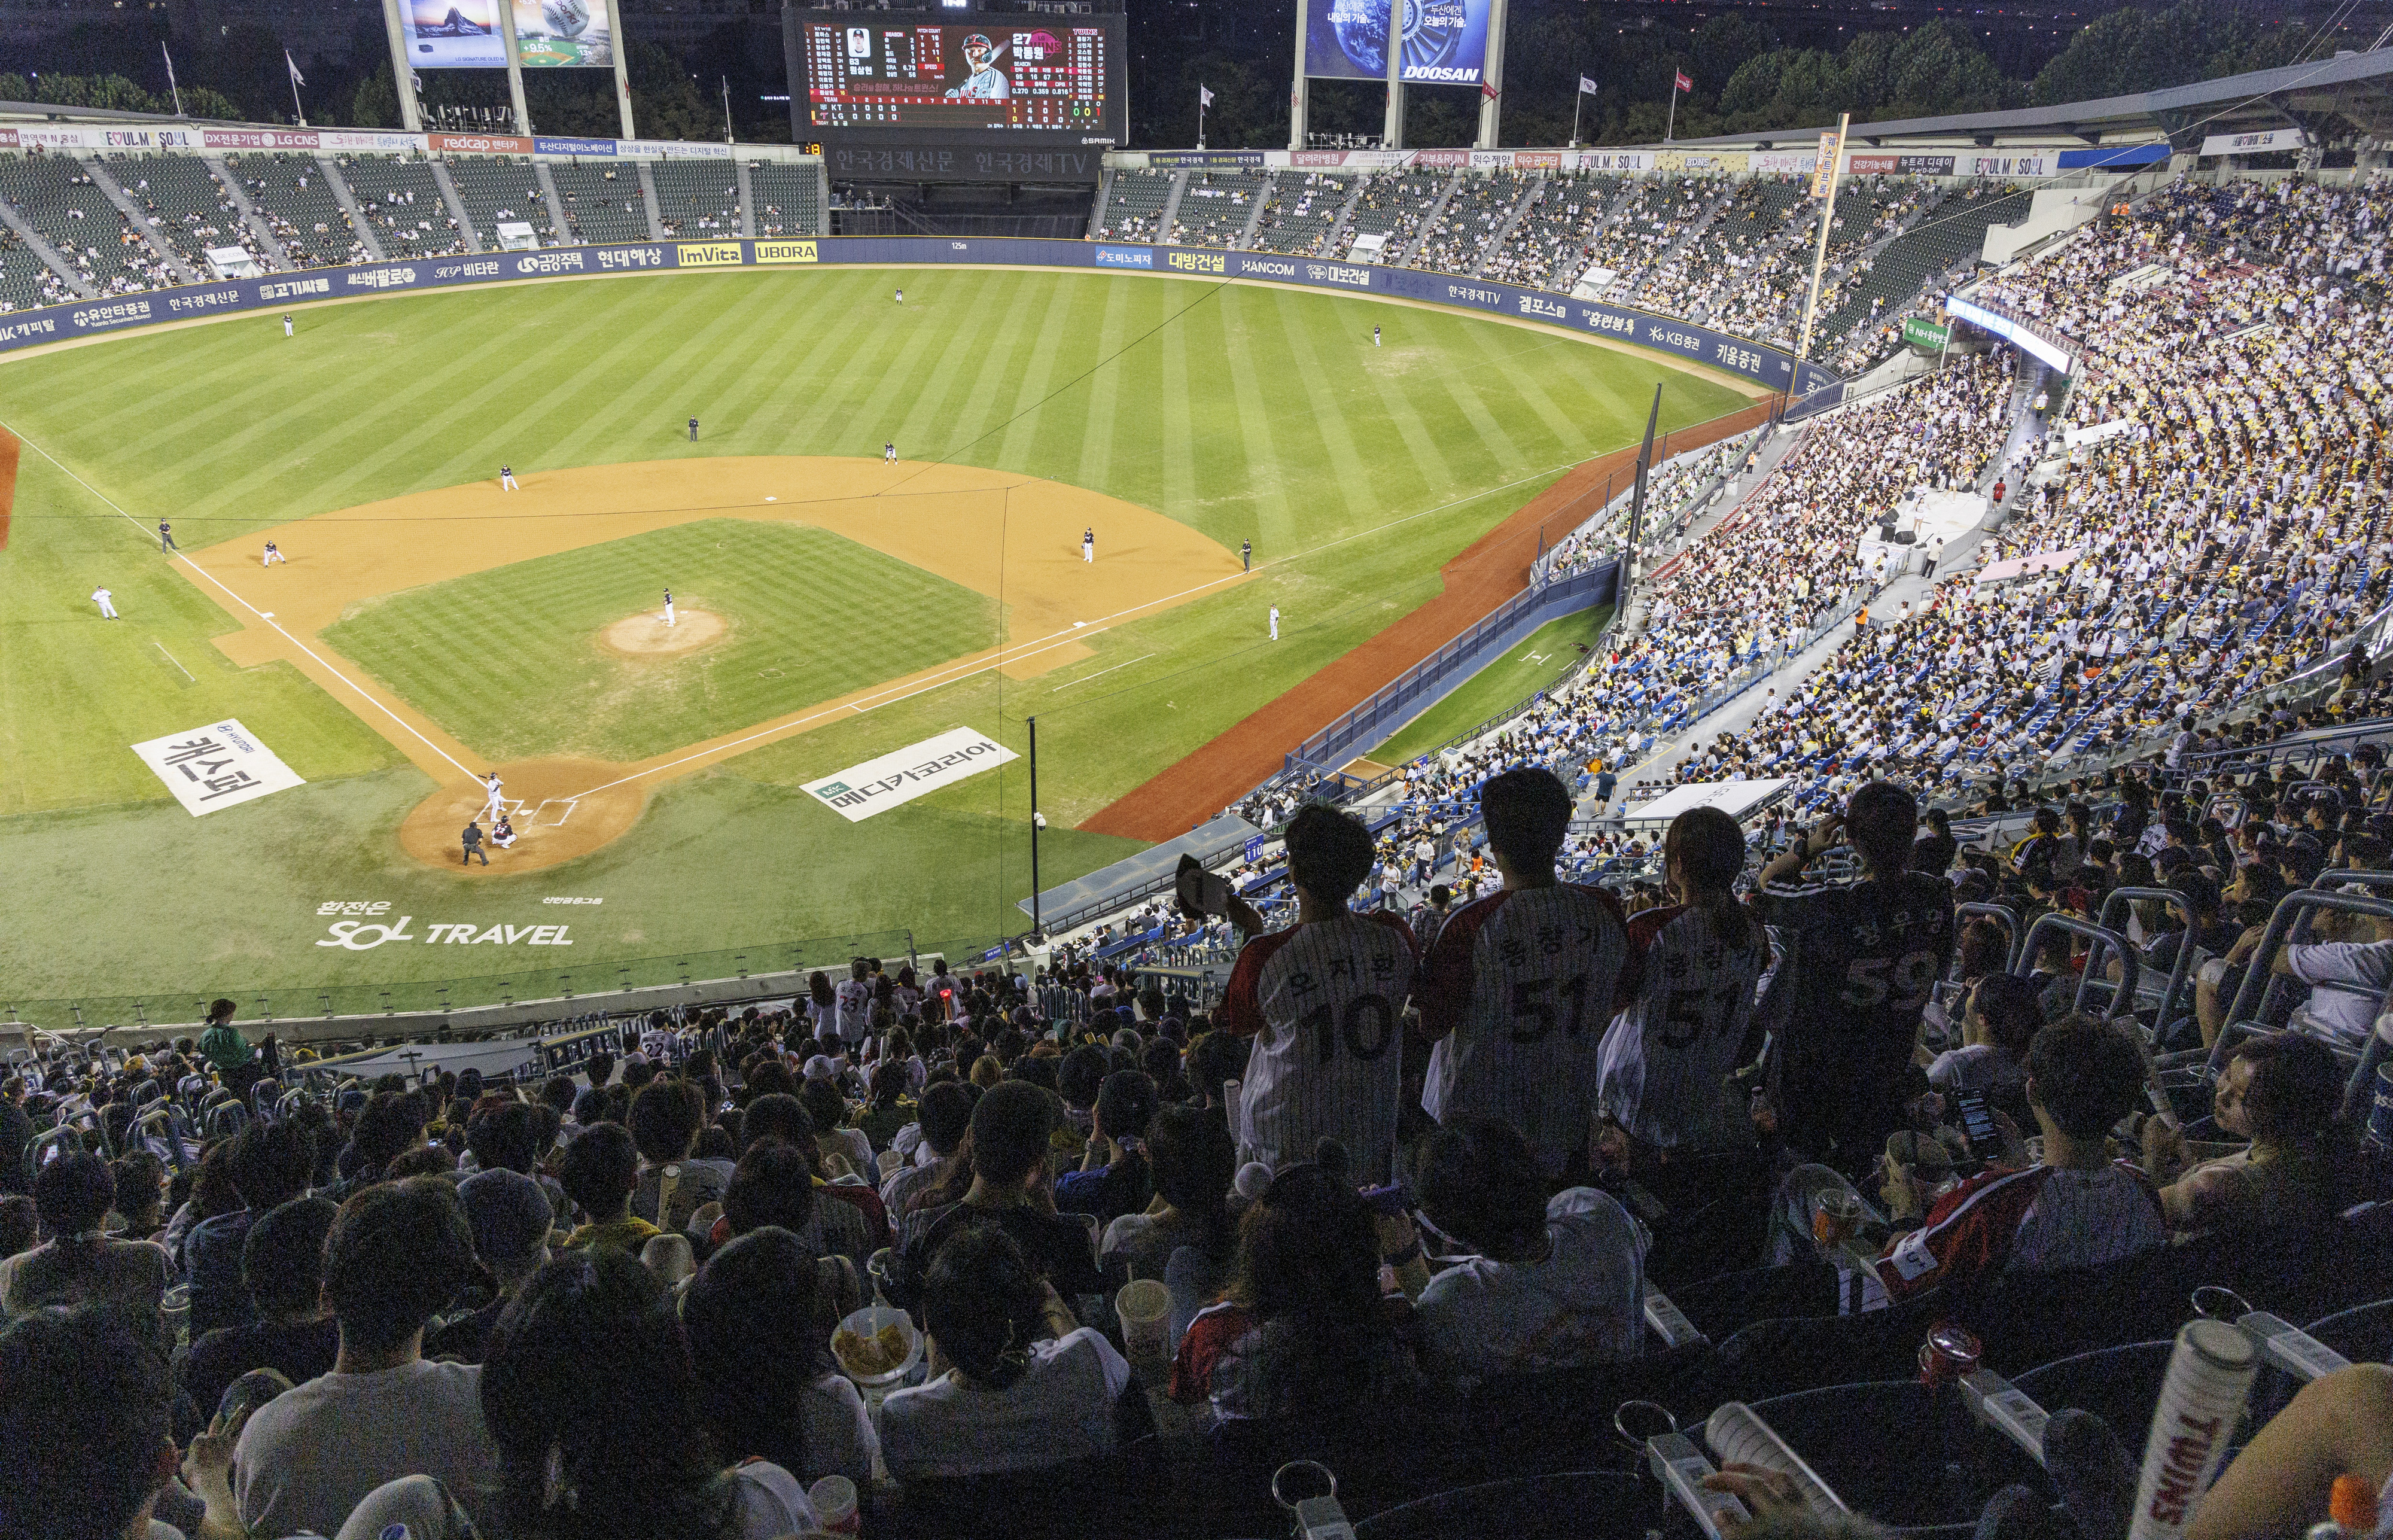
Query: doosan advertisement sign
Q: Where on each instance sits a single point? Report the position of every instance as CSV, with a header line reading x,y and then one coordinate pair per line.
x,y
1444,41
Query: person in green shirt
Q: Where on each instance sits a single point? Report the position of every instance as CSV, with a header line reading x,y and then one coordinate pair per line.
x,y
225,1049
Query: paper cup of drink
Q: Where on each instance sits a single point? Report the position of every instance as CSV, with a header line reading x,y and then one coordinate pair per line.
x,y
1145,1310
834,1501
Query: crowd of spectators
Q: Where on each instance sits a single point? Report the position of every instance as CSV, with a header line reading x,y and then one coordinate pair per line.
x,y
1370,1183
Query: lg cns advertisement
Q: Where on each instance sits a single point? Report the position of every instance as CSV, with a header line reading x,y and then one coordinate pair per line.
x,y
1444,41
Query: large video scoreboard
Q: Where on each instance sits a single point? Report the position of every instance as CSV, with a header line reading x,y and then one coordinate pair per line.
x,y
936,95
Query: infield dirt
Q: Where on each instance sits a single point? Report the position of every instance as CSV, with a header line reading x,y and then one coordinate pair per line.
x,y
1012,537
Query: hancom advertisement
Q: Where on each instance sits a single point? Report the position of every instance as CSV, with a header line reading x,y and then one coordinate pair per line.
x,y
454,34
1444,41
563,34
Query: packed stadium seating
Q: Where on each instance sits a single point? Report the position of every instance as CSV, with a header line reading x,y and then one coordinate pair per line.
x,y
603,201
1548,247
499,190
788,198
1745,252
1302,210
188,206
404,204
697,197
1468,223
1214,207
1657,216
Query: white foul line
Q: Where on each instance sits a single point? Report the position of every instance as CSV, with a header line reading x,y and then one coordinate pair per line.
x,y
251,609
1099,675
172,658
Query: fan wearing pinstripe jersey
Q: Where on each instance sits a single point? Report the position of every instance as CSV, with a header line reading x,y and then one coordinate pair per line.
x,y
1322,1001
1665,1058
2079,1209
1517,989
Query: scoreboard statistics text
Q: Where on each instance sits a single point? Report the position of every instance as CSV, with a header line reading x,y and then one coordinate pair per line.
x,y
1032,74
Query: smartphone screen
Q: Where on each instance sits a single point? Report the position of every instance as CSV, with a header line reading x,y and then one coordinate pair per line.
x,y
1978,1124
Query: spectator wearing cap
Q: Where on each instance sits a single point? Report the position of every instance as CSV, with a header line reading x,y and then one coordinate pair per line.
x,y
283,1256
77,1264
510,1218
396,1253
1115,1177
1558,1281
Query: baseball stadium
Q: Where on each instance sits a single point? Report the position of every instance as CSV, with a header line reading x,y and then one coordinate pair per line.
x,y
961,622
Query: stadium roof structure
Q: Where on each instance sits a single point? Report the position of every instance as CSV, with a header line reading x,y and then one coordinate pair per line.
x,y
2355,87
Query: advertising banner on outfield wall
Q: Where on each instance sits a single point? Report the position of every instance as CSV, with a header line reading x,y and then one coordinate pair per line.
x,y
878,785
1767,366
215,767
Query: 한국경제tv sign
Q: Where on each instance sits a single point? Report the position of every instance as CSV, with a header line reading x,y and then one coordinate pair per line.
x,y
878,785
215,767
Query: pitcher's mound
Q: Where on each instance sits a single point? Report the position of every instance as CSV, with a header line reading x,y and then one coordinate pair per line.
x,y
646,635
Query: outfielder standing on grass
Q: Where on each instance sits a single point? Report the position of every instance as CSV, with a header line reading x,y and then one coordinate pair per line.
x,y
693,430
1323,1001
286,326
1521,983
107,603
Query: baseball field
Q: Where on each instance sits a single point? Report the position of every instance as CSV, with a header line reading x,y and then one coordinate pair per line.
x,y
430,625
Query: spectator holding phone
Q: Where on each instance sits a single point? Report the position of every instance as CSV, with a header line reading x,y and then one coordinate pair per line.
x,y
2282,1093
2077,1208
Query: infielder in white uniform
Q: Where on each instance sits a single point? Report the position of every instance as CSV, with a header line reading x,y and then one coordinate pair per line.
x,y
1676,1042
274,554
1522,981
506,479
1324,1003
669,613
492,785
107,603
1089,543
1274,622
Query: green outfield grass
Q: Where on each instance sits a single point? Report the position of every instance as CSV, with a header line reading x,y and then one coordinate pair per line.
x,y
1544,658
507,659
1247,412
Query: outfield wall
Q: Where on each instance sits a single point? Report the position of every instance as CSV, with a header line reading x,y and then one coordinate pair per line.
x,y
1763,365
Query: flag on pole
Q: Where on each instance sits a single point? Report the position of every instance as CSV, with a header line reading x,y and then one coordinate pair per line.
x,y
297,78
1487,90
1682,83
1204,98
1585,87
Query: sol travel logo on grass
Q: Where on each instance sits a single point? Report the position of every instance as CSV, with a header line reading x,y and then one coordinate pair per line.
x,y
359,936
